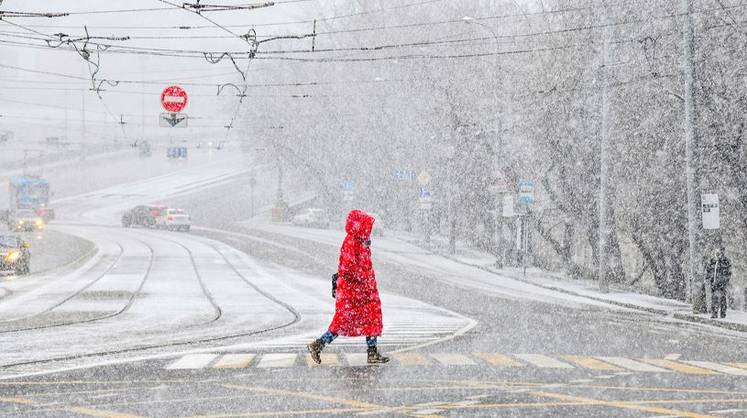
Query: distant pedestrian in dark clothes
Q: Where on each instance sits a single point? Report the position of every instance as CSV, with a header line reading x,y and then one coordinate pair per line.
x,y
718,275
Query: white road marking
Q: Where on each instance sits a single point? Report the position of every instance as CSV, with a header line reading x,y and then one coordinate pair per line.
x,y
673,356
543,361
357,359
192,361
277,360
727,411
234,361
633,365
453,359
718,367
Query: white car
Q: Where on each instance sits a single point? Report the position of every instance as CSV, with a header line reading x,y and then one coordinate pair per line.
x,y
174,220
378,227
311,218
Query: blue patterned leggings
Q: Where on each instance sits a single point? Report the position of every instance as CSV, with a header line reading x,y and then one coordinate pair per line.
x,y
329,336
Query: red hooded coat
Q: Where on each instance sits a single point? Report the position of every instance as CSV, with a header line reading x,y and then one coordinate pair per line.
x,y
357,307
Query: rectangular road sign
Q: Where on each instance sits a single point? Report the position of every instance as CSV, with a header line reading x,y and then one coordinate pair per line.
x,y
710,210
526,192
173,120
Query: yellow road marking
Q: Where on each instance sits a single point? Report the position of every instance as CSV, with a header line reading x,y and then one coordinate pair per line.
x,y
286,413
329,359
499,360
740,365
234,361
410,359
591,363
621,405
89,382
91,412
695,401
22,401
679,367
307,395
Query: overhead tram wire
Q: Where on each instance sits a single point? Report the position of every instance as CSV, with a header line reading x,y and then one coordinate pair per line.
x,y
112,48
157,82
88,62
306,21
251,39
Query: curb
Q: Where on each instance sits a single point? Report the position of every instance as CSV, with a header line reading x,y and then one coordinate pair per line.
x,y
677,315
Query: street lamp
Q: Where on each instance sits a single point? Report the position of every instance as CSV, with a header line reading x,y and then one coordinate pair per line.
x,y
498,225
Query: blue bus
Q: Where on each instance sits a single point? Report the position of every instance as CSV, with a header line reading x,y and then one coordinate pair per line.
x,y
30,193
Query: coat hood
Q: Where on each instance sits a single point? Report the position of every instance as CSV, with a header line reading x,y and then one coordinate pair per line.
x,y
359,224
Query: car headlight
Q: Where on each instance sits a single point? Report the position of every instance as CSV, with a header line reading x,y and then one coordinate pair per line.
x,y
12,256
39,222
21,222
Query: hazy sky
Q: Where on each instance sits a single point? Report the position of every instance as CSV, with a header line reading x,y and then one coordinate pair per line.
x,y
24,93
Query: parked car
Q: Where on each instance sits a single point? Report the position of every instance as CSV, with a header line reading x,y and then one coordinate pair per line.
x,y
143,215
15,255
25,220
378,226
174,220
311,218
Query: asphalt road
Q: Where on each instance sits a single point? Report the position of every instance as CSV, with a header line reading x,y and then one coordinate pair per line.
x,y
463,342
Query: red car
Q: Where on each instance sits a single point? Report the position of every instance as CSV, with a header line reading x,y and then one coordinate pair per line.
x,y
143,215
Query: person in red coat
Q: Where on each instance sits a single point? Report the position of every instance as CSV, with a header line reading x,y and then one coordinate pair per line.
x,y
357,304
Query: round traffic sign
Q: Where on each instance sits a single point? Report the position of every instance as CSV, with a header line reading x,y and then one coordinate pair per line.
x,y
174,99
424,178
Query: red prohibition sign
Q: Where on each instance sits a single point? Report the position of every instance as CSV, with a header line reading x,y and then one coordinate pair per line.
x,y
174,99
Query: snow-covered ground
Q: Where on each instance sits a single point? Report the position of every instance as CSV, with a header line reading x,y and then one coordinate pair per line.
x,y
163,293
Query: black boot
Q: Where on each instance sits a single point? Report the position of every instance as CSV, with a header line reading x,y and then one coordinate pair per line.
x,y
375,358
315,349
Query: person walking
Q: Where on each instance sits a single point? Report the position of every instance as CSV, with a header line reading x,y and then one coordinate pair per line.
x,y
357,304
718,275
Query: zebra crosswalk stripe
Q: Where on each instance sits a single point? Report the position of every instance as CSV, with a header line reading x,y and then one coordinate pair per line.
x,y
192,361
718,367
543,361
453,359
499,360
234,361
328,360
411,359
633,365
356,359
592,363
277,360
608,364
679,367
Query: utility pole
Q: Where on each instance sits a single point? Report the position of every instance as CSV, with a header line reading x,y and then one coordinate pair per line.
x,y
604,168
688,70
498,101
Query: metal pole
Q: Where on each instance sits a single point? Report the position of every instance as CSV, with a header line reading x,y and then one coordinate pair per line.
x,y
525,231
603,175
252,200
688,70
498,231
498,225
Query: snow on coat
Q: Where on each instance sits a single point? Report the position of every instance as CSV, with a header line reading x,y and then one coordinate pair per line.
x,y
357,307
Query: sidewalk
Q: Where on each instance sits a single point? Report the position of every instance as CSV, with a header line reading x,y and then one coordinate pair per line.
x,y
735,320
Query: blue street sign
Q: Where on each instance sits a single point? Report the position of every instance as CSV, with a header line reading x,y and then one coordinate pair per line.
x,y
176,152
405,175
526,192
425,192
348,185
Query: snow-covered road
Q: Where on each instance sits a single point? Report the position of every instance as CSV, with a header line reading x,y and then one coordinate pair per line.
x,y
158,293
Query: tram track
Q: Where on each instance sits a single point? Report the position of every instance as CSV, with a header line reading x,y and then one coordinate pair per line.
x,y
218,314
73,295
124,309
